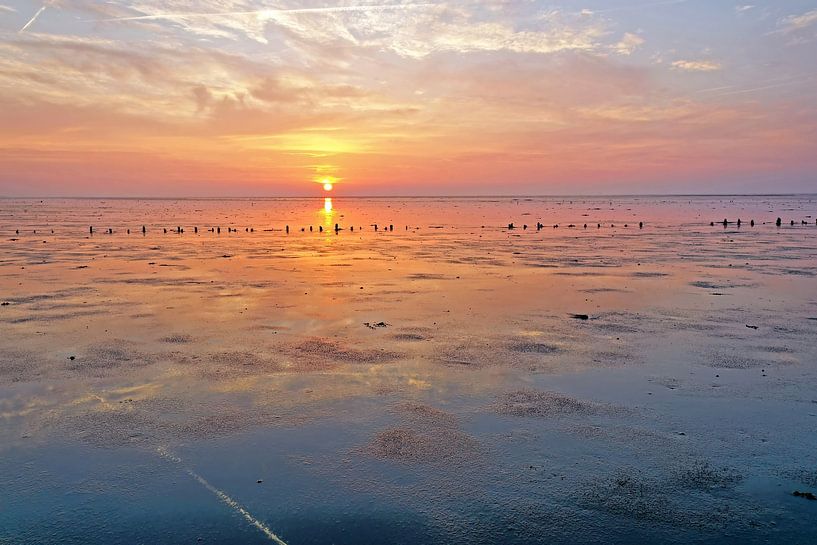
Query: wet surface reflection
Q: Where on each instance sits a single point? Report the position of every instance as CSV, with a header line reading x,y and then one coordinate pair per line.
x,y
445,379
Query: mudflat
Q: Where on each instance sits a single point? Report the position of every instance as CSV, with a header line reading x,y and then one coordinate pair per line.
x,y
609,370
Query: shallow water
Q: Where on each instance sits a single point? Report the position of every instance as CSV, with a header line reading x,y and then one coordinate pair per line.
x,y
426,384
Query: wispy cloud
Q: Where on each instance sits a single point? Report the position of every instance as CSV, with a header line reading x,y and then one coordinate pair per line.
x,y
696,66
464,35
268,12
794,23
411,30
311,23
7,9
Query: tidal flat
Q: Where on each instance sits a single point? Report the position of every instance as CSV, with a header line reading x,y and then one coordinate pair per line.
x,y
621,370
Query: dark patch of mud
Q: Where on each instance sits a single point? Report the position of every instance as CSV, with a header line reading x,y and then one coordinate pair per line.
x,y
427,435
581,274
612,358
16,366
428,276
770,349
104,358
625,322
538,404
800,272
238,364
408,337
413,334
701,475
56,317
322,352
693,498
111,428
648,274
604,290
473,354
721,360
154,281
59,294
807,477
422,447
177,338
425,415
532,347
160,421
614,328
671,383
720,285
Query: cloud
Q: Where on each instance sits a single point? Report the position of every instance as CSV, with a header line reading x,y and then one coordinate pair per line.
x,y
7,9
795,23
490,36
628,44
744,8
412,30
696,66
249,22
268,12
299,89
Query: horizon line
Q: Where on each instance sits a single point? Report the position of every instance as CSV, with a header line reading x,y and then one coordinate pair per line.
x,y
323,196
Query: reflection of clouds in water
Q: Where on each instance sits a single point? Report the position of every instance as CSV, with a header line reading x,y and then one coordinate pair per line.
x,y
287,312
273,338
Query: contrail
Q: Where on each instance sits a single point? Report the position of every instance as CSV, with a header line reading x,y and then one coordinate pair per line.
x,y
772,83
31,21
294,11
754,89
227,500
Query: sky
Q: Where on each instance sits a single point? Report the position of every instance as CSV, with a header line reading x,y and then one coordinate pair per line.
x,y
393,97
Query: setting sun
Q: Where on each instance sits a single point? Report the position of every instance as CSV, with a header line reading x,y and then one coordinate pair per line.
x,y
327,185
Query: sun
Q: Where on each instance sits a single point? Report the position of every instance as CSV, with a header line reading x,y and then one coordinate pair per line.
x,y
327,185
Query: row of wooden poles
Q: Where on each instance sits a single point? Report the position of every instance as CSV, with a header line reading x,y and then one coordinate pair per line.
x,y
217,230
778,222
338,228
540,226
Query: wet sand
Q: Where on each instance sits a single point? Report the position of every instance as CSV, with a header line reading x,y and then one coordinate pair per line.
x,y
447,380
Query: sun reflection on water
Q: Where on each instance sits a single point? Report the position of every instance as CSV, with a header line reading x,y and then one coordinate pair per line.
x,y
328,214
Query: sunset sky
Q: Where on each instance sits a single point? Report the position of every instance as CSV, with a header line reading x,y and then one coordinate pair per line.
x,y
246,97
